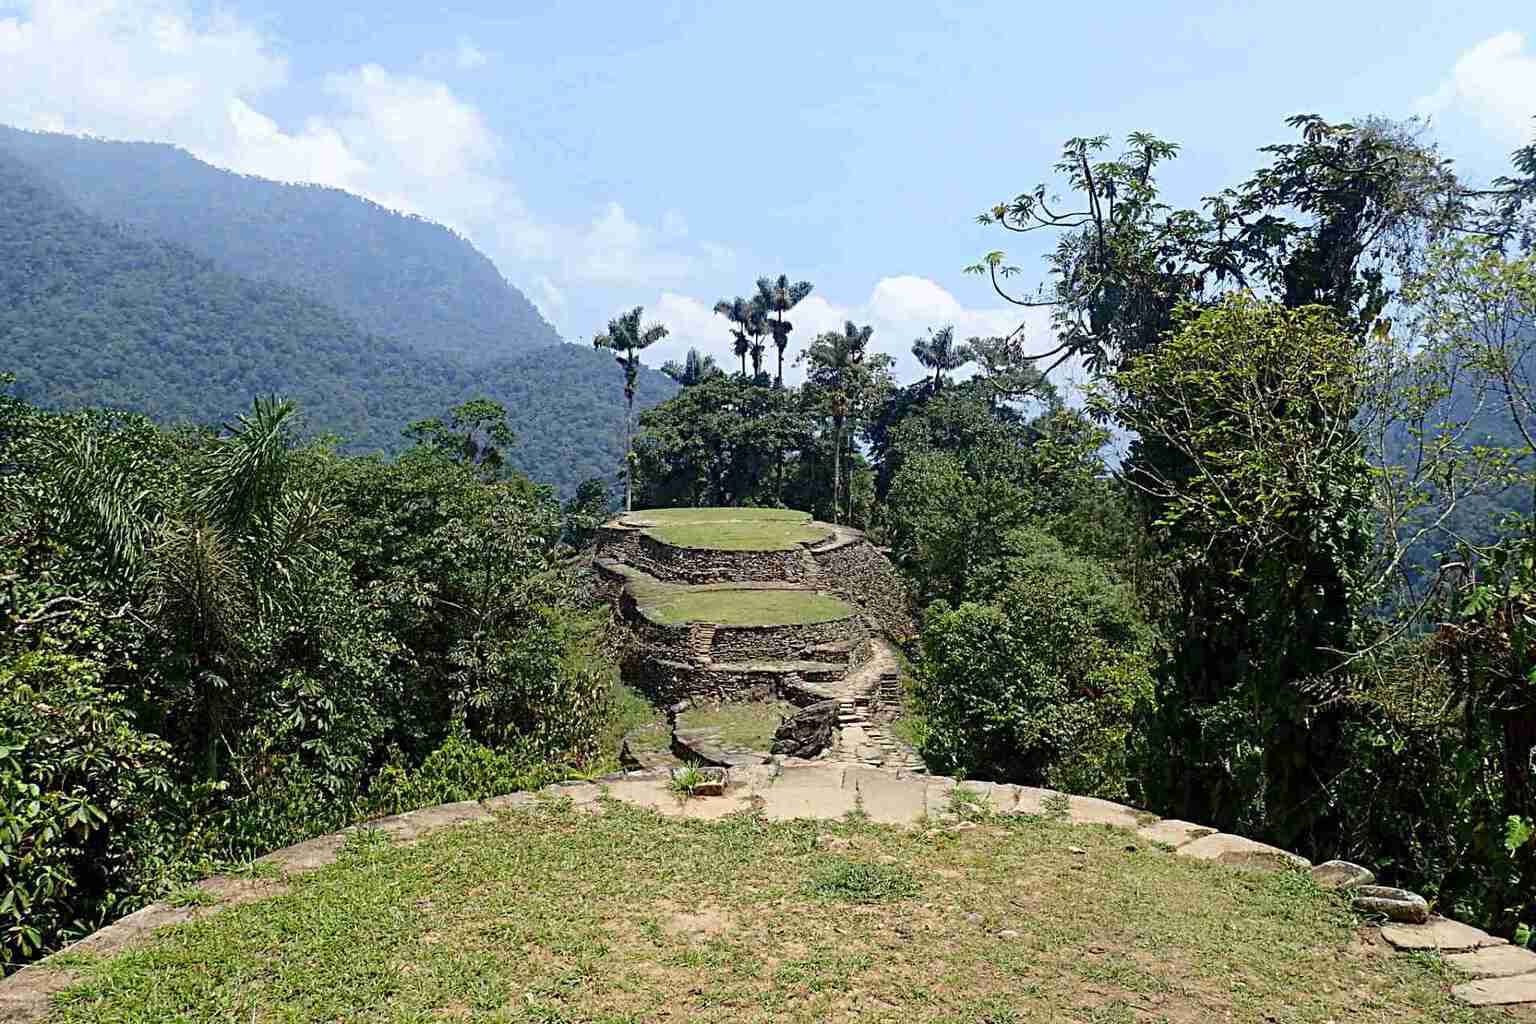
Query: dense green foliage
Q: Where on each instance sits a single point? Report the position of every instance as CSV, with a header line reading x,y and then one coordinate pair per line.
x,y
94,315
393,275
218,643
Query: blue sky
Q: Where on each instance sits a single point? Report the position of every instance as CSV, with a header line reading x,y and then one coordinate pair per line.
x,y
609,154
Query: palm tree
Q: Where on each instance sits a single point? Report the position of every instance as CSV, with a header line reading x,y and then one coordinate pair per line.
x,y
939,353
740,313
835,358
626,337
779,297
695,368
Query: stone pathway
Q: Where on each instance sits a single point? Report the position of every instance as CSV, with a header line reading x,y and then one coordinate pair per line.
x,y
1498,973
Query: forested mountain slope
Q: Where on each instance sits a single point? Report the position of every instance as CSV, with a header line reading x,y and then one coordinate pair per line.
x,y
94,314
397,276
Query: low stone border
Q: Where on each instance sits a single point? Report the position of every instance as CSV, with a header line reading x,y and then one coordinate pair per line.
x,y
1498,973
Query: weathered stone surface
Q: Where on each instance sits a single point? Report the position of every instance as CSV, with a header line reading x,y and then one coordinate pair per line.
x,y
1341,874
133,928
25,995
1239,852
808,732
1029,800
310,855
510,801
1440,933
1173,832
1393,904
886,797
235,891
1498,991
1493,962
414,823
1088,810
810,792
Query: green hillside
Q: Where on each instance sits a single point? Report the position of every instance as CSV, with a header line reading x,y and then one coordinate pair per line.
x,y
394,275
94,314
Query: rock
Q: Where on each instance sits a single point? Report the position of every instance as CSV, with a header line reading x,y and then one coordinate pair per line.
x,y
1498,991
1341,874
973,918
809,731
1173,832
1245,853
1439,933
1076,849
1393,904
1008,933
1493,962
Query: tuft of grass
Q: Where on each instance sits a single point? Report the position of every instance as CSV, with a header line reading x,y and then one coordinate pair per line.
x,y
968,805
853,882
685,780
190,896
1057,806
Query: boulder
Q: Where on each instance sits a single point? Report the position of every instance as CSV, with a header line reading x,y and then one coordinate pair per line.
x,y
809,731
1245,853
1394,904
1341,874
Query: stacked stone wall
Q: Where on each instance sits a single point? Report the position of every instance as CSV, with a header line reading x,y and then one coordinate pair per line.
x,y
673,564
785,643
860,575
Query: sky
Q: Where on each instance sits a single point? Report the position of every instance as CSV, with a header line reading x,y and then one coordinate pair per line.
x,y
667,154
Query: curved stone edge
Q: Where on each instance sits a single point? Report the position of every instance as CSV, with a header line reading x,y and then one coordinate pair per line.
x,y
787,788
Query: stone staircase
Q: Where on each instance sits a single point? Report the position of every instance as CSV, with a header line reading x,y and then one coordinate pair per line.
x,y
701,642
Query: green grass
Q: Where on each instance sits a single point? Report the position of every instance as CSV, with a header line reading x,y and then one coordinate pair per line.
x,y
748,725
555,915
724,606
731,529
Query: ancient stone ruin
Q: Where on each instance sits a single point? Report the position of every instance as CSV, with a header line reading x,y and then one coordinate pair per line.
x,y
735,606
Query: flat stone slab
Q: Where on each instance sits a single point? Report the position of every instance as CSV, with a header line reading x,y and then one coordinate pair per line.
x,y
412,824
510,802
26,996
1393,904
807,793
1441,934
1497,991
135,927
1224,848
1031,800
1089,810
1493,962
310,855
1173,832
888,798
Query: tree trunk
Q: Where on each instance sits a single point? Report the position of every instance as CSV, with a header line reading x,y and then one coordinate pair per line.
x,y
629,443
837,463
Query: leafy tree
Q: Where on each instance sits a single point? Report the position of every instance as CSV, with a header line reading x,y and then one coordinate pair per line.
x,y
475,432
1267,534
626,336
941,354
778,296
585,512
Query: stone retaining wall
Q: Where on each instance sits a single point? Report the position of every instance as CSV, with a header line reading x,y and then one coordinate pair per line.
x,y
790,642
672,564
853,570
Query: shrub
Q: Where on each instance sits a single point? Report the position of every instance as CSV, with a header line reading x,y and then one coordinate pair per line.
x,y
83,796
1036,682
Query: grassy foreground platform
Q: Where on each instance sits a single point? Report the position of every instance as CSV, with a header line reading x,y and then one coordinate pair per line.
x,y
730,606
553,915
730,529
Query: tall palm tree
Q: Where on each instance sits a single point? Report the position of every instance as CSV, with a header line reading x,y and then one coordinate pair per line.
x,y
627,337
740,314
779,297
939,353
835,358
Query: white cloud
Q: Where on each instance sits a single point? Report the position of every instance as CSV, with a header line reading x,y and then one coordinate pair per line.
x,y
1495,83
150,69
901,309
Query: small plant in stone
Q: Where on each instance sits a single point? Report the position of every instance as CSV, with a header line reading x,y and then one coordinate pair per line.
x,y
687,779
